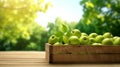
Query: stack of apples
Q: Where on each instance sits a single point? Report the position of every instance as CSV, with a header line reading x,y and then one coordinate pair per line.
x,y
77,37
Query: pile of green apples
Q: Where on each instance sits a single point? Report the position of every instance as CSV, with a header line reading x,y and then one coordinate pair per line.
x,y
77,37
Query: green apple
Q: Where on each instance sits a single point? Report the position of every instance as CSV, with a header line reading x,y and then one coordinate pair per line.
x,y
52,39
117,41
97,44
115,38
66,44
107,35
65,38
107,41
93,35
99,38
74,40
91,40
84,34
57,44
84,40
76,32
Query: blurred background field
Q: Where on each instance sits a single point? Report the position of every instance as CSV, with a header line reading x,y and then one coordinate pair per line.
x,y
26,25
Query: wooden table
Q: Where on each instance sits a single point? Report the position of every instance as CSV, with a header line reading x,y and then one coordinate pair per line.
x,y
36,59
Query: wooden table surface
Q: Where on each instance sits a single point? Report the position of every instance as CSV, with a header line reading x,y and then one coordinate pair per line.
x,y
36,59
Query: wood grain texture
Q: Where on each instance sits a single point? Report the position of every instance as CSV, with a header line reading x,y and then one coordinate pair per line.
x,y
36,59
83,48
82,54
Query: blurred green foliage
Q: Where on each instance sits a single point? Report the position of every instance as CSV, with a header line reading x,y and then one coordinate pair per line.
x,y
100,16
59,27
18,30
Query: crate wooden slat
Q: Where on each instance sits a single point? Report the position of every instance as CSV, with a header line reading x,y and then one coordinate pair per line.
x,y
82,54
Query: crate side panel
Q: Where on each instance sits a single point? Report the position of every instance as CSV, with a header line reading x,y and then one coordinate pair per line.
x,y
91,58
86,49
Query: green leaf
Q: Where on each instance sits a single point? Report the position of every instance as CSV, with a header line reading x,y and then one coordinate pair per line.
x,y
59,33
64,28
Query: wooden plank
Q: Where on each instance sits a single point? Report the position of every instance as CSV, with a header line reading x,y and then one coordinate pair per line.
x,y
61,65
39,61
22,54
82,48
47,49
90,58
42,60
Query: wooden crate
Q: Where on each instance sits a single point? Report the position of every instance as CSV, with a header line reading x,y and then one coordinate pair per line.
x,y
82,54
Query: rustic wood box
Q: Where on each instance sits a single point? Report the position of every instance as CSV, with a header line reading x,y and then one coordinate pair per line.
x,y
82,54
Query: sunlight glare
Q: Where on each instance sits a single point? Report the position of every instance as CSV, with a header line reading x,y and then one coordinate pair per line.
x,y
53,13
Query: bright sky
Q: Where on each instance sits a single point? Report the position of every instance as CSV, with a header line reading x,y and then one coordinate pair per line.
x,y
68,10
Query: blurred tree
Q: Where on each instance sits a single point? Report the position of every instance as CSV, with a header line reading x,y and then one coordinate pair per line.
x,y
36,42
84,27
104,15
17,21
